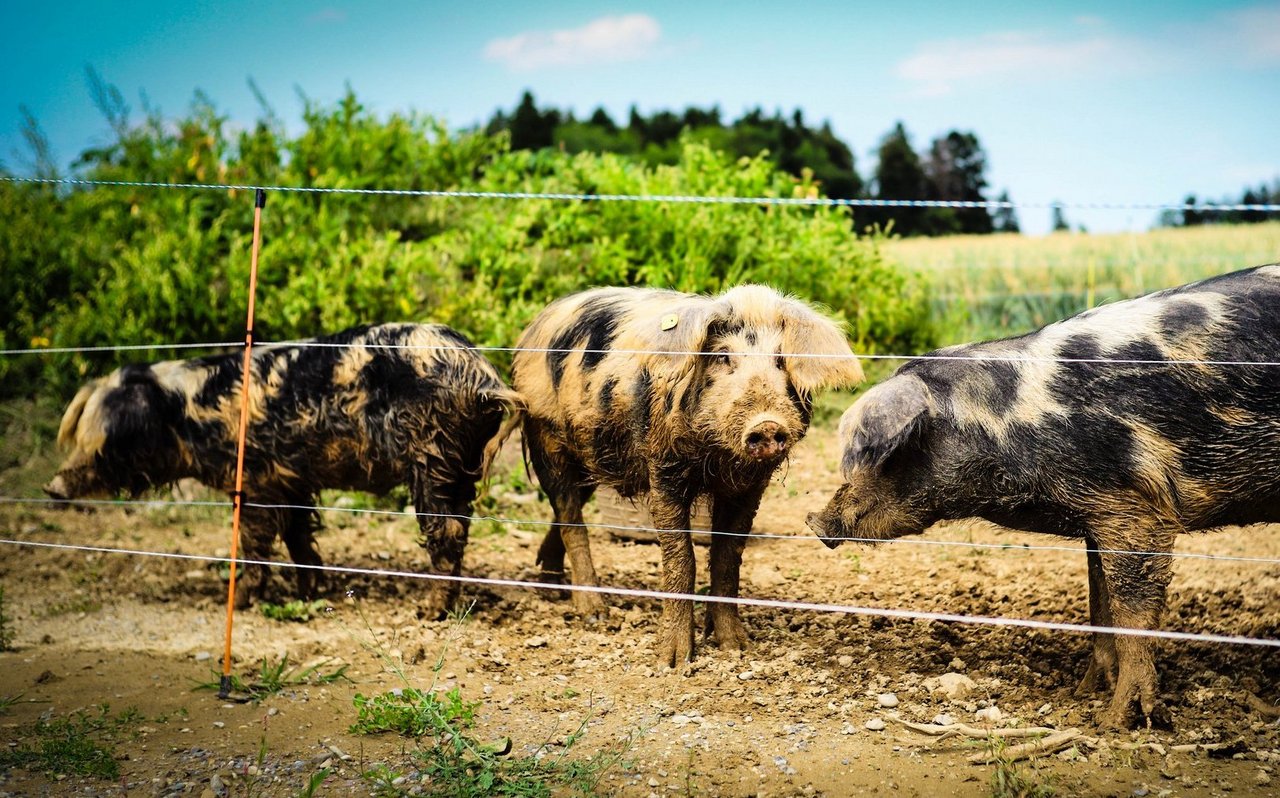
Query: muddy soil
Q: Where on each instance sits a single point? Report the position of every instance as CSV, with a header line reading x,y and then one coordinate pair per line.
x,y
789,717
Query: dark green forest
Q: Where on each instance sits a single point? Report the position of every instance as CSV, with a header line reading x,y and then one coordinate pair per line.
x,y
953,167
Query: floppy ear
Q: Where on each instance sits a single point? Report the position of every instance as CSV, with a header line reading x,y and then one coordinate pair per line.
x,y
807,332
71,417
883,420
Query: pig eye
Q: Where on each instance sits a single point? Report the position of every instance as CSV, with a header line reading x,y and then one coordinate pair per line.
x,y
720,358
779,363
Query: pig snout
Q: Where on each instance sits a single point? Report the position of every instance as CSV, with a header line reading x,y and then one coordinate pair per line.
x,y
817,523
57,488
766,441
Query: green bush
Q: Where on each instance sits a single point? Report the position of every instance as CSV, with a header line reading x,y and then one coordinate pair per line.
x,y
131,265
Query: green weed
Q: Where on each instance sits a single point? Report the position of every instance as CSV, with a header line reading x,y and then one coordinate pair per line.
x,y
7,702
275,677
1012,779
296,610
82,744
449,757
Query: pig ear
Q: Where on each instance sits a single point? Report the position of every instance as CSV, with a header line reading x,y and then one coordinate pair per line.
x,y
807,332
71,417
883,420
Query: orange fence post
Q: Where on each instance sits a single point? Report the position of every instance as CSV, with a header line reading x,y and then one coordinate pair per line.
x,y
237,496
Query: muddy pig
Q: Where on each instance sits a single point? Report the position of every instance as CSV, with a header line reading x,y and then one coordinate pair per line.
x,y
366,409
675,396
1044,433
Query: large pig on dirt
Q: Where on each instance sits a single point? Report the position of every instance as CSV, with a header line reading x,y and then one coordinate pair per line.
x,y
674,395
365,409
1044,433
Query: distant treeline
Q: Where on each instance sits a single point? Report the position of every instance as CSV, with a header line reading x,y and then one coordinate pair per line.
x,y
1262,195
953,167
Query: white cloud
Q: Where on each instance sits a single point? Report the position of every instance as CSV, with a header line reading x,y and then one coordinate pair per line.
x,y
1246,37
938,66
1254,33
608,39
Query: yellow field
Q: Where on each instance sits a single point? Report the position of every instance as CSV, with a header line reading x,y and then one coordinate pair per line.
x,y
987,286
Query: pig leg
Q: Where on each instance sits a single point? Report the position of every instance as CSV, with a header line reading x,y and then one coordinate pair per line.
x,y
569,535
444,538
1136,586
259,528
1102,665
675,630
299,539
732,515
567,489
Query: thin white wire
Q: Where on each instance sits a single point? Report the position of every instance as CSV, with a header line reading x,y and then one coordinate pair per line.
x,y
917,615
63,350
312,344
713,200
906,541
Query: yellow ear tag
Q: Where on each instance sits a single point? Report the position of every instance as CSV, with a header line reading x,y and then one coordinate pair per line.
x,y
670,321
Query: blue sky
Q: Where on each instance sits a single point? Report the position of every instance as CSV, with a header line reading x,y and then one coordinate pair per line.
x,y
1086,102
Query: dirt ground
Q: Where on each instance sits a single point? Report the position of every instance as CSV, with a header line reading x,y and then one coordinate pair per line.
x,y
790,717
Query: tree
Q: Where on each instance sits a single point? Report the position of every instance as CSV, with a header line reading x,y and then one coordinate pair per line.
x,y
530,128
956,172
1059,218
1005,218
898,176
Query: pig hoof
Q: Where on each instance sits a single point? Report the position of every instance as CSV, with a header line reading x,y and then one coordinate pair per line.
x,y
589,606
551,577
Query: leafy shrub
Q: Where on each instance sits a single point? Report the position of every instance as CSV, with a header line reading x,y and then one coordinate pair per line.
x,y
129,265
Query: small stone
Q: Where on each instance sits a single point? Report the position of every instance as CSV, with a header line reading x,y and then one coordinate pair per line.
x,y
217,785
991,714
217,724
951,685
887,700
747,675
957,664
272,711
943,719
203,656
875,724
1044,709
538,641
845,661
1261,778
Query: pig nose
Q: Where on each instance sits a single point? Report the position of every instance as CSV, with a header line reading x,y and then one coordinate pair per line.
x,y
56,489
818,526
766,441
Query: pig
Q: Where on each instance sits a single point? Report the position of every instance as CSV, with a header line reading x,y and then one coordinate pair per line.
x,y
369,408
675,396
1041,433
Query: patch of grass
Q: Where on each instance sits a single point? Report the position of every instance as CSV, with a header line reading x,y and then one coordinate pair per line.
x,y
74,606
296,610
453,762
1012,779
82,744
412,712
7,702
274,677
